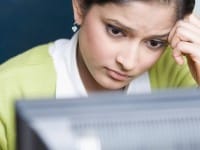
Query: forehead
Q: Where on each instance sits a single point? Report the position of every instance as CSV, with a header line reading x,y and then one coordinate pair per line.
x,y
139,14
163,2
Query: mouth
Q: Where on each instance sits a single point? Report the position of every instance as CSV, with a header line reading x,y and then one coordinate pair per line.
x,y
117,75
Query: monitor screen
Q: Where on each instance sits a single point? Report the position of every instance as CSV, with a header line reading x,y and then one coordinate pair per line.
x,y
167,120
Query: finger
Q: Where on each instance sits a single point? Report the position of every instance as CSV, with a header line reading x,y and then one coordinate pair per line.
x,y
193,30
173,37
178,56
193,19
193,50
172,33
189,26
186,34
194,68
175,40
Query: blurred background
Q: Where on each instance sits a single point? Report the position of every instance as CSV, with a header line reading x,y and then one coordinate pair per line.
x,y
197,7
27,23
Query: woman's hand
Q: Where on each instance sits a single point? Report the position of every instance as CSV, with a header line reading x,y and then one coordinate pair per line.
x,y
185,41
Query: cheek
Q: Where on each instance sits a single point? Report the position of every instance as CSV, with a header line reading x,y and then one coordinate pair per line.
x,y
95,42
151,59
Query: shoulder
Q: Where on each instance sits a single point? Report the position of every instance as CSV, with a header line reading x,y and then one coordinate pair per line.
x,y
35,56
29,71
29,63
166,73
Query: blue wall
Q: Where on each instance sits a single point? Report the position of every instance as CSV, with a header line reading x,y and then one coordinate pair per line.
x,y
27,23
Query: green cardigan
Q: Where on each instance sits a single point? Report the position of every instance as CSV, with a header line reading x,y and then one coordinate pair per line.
x,y
32,75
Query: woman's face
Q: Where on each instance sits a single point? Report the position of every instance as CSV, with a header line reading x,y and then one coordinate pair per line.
x,y
117,43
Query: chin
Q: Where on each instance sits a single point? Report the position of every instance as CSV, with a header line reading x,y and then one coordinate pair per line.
x,y
113,85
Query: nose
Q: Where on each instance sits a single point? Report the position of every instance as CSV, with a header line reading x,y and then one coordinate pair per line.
x,y
128,57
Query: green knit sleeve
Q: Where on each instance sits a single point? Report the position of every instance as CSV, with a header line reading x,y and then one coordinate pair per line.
x,y
166,73
3,141
8,93
28,75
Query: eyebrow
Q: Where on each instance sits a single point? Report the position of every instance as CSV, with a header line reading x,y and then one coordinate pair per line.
x,y
159,36
133,30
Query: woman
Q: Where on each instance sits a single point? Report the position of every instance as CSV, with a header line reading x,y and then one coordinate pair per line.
x,y
122,45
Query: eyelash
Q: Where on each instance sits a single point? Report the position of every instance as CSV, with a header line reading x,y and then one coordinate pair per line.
x,y
111,29
160,44
114,31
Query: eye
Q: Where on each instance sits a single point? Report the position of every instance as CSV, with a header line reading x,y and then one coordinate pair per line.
x,y
114,31
156,44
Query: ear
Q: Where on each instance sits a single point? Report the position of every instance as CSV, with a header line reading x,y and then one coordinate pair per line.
x,y
78,14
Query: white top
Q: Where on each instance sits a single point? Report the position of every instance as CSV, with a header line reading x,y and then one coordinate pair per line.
x,y
69,83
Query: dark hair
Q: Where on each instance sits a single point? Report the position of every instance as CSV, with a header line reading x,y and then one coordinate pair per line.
x,y
183,7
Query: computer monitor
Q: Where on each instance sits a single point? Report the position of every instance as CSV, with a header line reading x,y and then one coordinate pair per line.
x,y
165,120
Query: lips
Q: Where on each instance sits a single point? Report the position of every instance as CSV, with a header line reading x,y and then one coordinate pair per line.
x,y
116,75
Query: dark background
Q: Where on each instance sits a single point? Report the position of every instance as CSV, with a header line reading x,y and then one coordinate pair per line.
x,y
27,23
